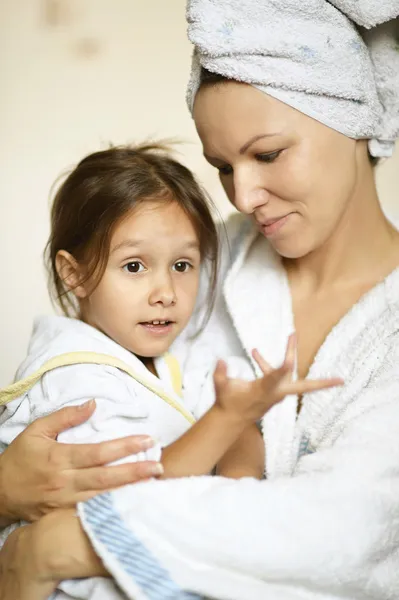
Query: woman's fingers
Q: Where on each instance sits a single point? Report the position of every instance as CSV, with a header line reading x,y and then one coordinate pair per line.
x,y
93,481
82,456
61,420
304,386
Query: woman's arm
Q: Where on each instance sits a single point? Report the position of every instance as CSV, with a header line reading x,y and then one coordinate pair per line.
x,y
33,561
38,474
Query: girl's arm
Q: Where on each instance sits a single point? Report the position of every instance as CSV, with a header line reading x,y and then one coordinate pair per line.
x,y
201,447
217,439
238,405
245,458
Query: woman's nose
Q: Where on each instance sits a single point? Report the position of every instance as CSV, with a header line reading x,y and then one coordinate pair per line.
x,y
249,194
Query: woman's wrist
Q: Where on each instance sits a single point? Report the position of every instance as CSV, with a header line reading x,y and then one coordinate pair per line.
x,y
20,573
74,559
5,517
33,561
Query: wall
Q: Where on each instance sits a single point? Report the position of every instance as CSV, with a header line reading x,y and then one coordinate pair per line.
x,y
76,75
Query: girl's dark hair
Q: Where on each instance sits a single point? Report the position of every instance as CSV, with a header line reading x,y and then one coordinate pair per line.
x,y
101,190
209,78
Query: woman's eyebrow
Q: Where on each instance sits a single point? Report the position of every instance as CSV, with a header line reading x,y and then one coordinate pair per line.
x,y
254,139
245,147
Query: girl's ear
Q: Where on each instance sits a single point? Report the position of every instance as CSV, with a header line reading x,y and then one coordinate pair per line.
x,y
70,273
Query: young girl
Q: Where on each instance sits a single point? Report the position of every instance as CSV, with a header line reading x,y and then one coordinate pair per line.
x,y
130,230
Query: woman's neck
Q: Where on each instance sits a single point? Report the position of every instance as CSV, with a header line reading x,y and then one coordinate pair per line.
x,y
364,247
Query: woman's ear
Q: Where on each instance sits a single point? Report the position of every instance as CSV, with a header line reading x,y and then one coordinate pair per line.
x,y
70,273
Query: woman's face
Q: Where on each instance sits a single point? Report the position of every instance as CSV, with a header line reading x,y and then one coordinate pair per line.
x,y
295,176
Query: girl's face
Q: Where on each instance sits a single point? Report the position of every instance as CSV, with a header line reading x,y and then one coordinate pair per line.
x,y
148,291
293,175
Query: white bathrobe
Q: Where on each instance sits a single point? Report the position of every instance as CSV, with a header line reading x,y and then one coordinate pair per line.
x,y
325,523
124,406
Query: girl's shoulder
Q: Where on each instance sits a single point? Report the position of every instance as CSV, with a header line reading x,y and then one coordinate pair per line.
x,y
72,346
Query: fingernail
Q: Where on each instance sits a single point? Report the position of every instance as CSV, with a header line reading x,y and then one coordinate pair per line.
x,y
146,442
156,469
86,405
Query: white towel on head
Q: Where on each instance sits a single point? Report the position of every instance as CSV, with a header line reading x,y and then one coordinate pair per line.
x,y
368,13
315,56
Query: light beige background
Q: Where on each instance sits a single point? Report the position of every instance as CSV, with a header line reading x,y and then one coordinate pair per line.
x,y
75,76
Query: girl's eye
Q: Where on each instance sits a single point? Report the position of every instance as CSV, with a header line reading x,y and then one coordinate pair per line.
x,y
225,170
182,266
268,158
134,267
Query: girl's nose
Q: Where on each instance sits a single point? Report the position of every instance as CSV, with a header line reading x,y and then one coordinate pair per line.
x,y
163,292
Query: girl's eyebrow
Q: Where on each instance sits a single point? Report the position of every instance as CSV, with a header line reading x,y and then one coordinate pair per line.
x,y
127,244
188,245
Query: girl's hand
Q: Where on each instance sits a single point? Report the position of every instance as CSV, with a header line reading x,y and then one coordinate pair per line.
x,y
38,474
33,561
250,400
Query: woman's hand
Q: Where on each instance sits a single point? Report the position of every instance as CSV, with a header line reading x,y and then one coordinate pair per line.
x,y
38,474
250,400
33,561
19,570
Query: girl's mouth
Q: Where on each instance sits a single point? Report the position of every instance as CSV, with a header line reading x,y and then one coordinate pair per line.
x,y
158,327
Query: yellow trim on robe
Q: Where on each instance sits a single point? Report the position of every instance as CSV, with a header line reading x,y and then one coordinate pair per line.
x,y
19,388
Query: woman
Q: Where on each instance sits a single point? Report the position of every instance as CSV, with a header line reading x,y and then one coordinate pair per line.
x,y
291,131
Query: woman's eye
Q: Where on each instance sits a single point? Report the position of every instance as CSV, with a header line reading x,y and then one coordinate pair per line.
x,y
134,267
269,157
182,266
225,170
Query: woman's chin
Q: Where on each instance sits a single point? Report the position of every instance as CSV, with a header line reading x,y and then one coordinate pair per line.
x,y
291,249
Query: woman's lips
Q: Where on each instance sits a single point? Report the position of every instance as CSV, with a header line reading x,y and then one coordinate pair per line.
x,y
272,226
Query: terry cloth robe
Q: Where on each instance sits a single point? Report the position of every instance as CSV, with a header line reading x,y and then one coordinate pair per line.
x,y
124,405
324,525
